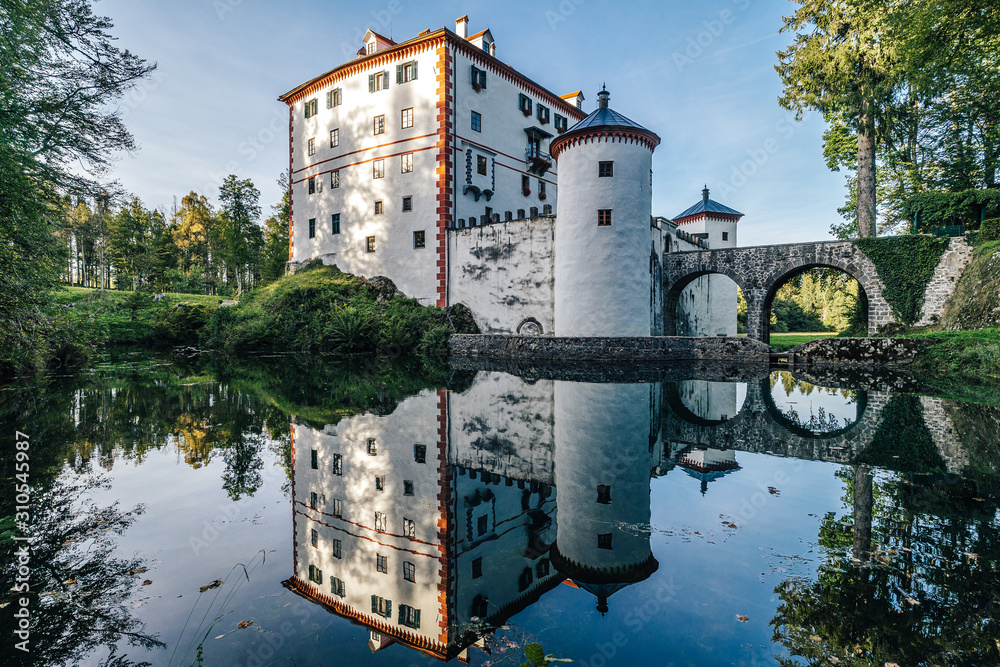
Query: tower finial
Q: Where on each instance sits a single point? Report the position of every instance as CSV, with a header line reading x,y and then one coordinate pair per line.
x,y
603,97
704,193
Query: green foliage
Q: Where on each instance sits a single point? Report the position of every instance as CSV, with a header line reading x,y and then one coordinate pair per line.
x,y
905,265
974,354
952,208
815,300
990,230
321,309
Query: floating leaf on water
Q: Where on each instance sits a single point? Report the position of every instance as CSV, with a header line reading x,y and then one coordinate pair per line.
x,y
220,636
138,570
147,582
741,618
971,555
70,581
214,584
773,491
730,524
244,624
815,638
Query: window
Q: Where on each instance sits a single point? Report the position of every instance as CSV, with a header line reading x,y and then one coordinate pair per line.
x,y
381,606
372,446
419,239
406,72
337,587
380,483
380,521
335,229
407,118
409,616
477,121
725,236
477,568
420,453
338,549
409,571
406,163
378,81
524,581
315,574
382,563
334,137
407,487
481,525
370,247
561,123
312,228
378,124
605,169
378,207
478,78
335,178
541,189
604,541
525,186
314,460
334,98
604,217
524,104
313,500
409,528
338,508
604,494
543,113
542,567
370,47
481,164
314,537
310,108
312,146
378,168
480,606
312,185
407,203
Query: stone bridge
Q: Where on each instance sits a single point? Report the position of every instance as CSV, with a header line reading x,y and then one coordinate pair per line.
x,y
761,270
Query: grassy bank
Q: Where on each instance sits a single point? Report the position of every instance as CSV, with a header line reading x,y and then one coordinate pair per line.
x,y
971,354
786,341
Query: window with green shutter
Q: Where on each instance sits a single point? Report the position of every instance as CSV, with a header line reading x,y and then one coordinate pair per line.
x,y
478,78
329,99
406,72
524,103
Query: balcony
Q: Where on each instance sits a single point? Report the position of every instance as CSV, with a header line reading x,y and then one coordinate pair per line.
x,y
538,161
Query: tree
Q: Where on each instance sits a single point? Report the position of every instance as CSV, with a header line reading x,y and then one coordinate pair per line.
x,y
192,232
240,201
59,129
841,62
275,255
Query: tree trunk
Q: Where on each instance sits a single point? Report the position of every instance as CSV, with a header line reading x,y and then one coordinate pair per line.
x,y
866,178
863,501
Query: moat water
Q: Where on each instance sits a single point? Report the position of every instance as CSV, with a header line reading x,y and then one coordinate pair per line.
x,y
282,511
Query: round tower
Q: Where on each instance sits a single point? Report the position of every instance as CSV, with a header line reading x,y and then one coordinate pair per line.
x,y
605,439
604,265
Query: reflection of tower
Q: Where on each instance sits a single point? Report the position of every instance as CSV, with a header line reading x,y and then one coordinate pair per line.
x,y
605,441
604,267
708,465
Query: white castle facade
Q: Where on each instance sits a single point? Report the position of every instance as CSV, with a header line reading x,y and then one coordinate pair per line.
x,y
435,164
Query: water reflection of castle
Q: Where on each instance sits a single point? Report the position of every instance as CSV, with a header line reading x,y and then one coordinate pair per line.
x,y
438,521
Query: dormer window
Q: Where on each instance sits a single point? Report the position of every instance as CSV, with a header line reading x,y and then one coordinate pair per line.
x,y
370,47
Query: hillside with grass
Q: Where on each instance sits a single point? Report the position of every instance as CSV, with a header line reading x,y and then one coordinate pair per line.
x,y
321,309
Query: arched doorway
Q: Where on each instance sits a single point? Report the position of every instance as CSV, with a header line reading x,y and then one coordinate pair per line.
x,y
704,303
815,301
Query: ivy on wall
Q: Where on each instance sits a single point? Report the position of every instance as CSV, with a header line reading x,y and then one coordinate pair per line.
x,y
967,207
902,441
905,265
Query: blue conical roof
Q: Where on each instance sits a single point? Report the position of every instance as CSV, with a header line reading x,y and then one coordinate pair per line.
x,y
706,205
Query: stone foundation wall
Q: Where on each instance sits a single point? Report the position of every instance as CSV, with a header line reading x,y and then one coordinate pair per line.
x,y
637,349
942,284
859,351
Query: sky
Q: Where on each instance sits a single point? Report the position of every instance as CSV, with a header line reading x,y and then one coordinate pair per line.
x,y
699,74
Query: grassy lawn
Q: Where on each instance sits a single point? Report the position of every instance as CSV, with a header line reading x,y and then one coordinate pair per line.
x,y
76,294
786,341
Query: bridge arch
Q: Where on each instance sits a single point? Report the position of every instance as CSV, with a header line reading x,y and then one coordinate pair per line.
x,y
673,289
782,274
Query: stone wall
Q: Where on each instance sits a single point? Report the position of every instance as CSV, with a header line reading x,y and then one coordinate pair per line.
x,y
942,285
652,348
859,351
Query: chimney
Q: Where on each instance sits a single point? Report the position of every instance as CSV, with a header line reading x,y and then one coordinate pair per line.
x,y
462,26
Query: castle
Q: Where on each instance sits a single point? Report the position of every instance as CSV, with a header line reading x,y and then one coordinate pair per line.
x,y
433,163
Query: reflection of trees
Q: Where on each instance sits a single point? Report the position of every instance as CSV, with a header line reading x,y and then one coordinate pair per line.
x,y
819,421
926,594
79,588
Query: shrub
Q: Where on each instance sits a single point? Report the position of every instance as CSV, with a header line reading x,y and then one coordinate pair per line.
x,y
989,230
